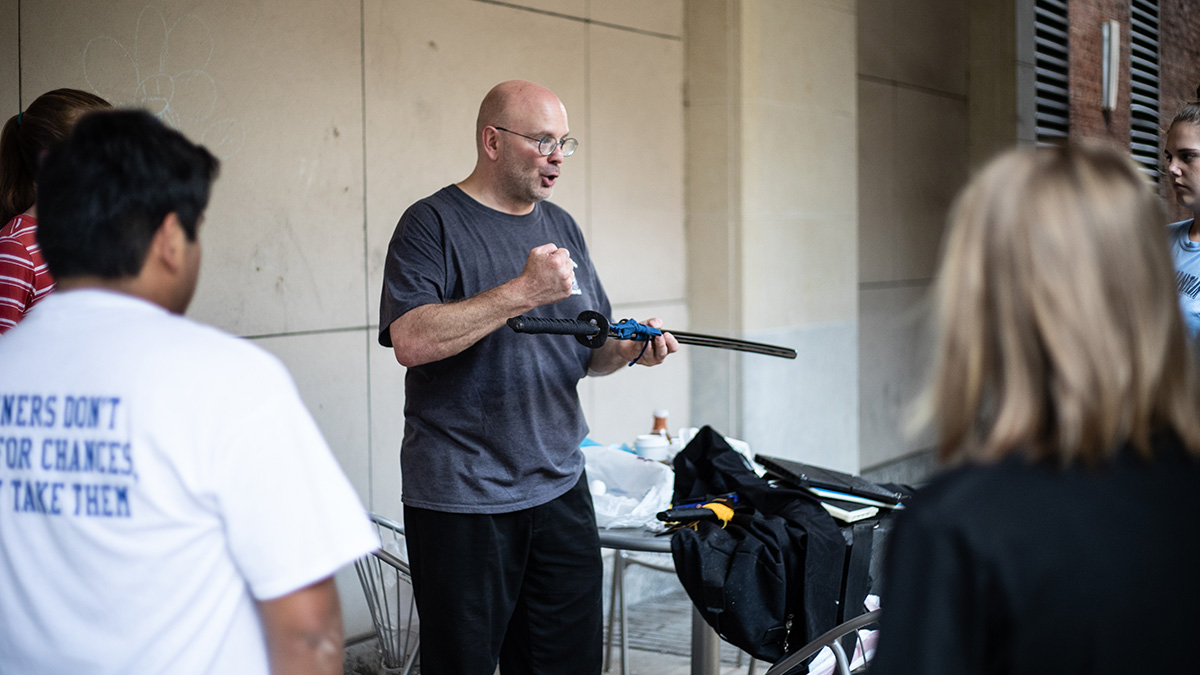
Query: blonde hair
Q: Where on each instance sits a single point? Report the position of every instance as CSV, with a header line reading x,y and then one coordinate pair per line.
x,y
1059,330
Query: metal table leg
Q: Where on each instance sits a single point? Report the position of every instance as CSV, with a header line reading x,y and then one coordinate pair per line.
x,y
706,647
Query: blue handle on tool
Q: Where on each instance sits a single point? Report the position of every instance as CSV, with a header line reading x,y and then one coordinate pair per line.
x,y
628,329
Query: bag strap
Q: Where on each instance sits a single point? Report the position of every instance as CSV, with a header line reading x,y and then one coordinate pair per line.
x,y
857,577
712,580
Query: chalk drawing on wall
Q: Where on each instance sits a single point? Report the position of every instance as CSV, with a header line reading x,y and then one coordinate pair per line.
x,y
166,73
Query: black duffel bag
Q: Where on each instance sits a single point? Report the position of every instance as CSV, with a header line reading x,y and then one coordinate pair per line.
x,y
776,575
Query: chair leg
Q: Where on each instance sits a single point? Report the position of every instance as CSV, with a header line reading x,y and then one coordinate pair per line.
x,y
412,658
621,556
751,668
839,654
612,613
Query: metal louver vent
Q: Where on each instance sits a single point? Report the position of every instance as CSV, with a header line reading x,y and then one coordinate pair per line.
x,y
1050,49
1143,105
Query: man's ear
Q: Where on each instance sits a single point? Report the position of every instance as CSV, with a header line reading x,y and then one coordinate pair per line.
x,y
170,243
491,142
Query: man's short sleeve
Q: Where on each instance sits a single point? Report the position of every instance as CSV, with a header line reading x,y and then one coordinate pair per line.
x,y
291,516
414,273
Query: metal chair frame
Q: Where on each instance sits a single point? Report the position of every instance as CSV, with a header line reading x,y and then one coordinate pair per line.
x,y
617,605
796,662
622,560
387,583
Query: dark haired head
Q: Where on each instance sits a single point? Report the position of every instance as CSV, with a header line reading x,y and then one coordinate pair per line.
x,y
26,137
1189,113
105,190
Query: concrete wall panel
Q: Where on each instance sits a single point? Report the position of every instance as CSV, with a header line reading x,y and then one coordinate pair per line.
x,y
10,79
634,153
283,254
428,67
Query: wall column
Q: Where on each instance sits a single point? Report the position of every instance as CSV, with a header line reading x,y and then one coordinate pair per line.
x,y
1003,75
772,221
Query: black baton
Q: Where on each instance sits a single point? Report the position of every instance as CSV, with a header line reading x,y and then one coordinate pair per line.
x,y
593,329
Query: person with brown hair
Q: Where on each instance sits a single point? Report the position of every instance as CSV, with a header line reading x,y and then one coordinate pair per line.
x,y
24,277
1181,157
1065,389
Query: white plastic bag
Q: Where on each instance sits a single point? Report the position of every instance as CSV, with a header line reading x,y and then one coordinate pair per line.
x,y
825,663
627,490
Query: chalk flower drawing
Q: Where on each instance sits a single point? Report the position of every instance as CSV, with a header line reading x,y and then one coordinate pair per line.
x,y
165,73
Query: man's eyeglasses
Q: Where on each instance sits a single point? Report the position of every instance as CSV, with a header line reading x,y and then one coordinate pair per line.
x,y
547,145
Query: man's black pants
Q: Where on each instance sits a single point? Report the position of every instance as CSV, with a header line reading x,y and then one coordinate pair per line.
x,y
523,588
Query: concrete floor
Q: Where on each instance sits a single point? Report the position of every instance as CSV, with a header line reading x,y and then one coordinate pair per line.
x,y
659,640
656,663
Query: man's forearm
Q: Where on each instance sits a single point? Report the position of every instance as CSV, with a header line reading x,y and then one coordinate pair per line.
x,y
310,654
607,359
436,331
304,631
433,332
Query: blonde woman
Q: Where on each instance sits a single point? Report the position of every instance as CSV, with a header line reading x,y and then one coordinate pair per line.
x,y
1064,389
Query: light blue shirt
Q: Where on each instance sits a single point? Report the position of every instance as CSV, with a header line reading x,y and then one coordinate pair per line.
x,y
1186,254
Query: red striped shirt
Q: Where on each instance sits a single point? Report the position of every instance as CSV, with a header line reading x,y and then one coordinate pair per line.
x,y
24,277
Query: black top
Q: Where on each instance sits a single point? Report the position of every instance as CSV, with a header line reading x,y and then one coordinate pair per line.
x,y
1022,568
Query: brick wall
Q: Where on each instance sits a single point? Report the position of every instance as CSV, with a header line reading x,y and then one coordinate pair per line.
x,y
1179,59
1086,71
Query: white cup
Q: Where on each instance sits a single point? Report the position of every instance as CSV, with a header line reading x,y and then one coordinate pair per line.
x,y
652,446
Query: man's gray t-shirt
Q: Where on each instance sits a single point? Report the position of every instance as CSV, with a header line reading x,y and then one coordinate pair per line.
x,y
497,427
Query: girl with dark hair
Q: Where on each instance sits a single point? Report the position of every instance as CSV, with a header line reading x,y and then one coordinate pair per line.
x,y
1181,155
24,277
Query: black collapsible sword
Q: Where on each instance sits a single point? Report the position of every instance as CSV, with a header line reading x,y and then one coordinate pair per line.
x,y
593,328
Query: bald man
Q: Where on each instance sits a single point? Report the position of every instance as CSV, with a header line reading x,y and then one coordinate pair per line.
x,y
500,528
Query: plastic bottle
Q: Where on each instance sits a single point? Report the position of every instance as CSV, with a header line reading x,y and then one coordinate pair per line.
x,y
660,424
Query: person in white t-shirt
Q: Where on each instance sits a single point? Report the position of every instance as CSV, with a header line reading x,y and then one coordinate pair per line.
x,y
167,504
